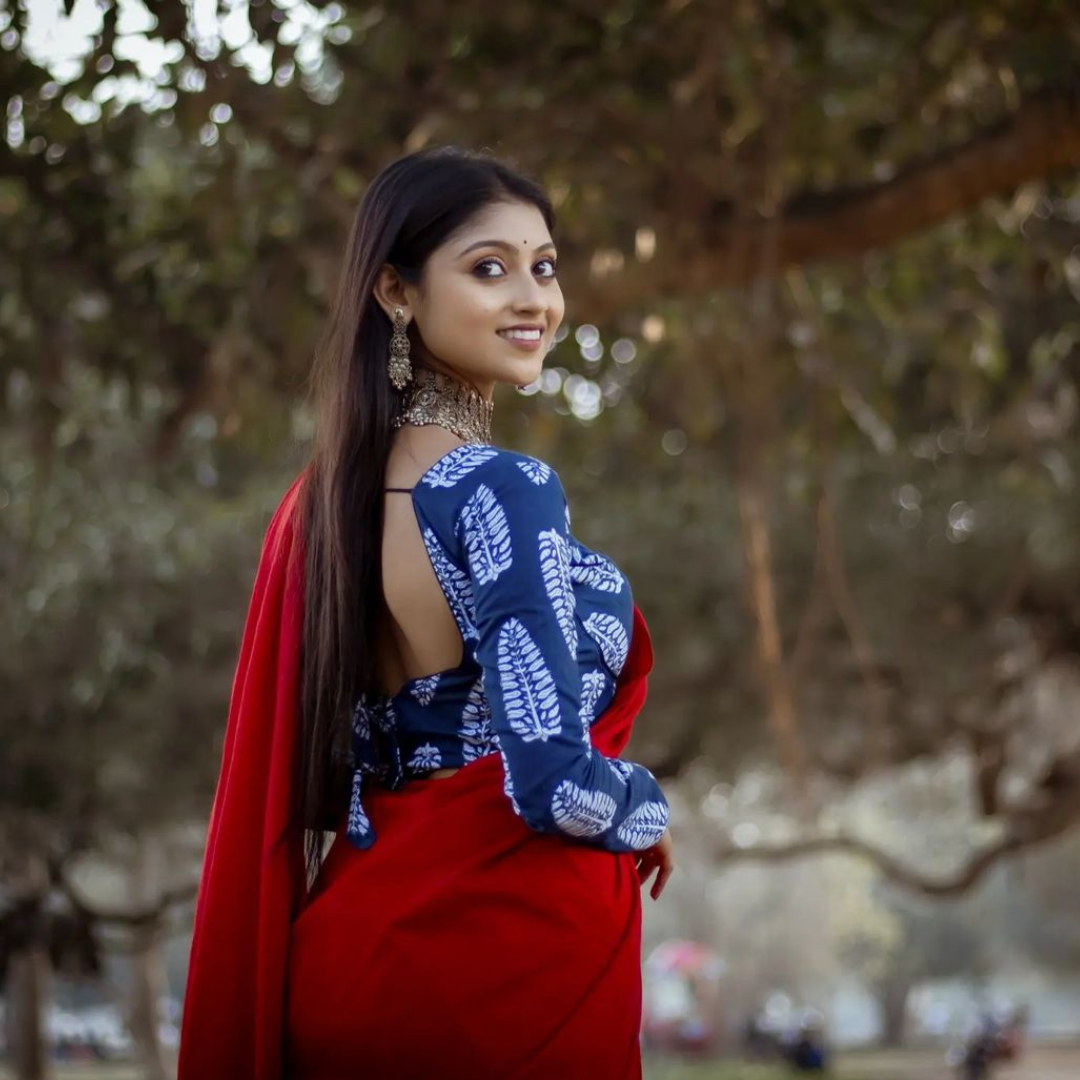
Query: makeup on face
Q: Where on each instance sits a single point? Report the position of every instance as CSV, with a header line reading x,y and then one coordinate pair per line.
x,y
491,302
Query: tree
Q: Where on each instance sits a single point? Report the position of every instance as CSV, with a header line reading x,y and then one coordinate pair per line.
x,y
124,587
824,310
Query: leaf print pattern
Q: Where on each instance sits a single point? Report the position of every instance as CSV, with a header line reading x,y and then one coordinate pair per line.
x,y
426,758
595,570
487,536
508,783
424,689
536,471
581,813
476,733
592,689
496,526
529,694
645,826
364,753
457,464
455,585
375,745
555,570
385,716
361,721
610,635
358,827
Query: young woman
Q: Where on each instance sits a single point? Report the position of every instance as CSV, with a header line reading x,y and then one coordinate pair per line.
x,y
438,670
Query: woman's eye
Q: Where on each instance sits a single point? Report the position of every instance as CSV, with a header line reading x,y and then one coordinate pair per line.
x,y
492,268
488,268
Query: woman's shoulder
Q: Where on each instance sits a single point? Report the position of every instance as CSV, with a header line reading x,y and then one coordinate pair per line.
x,y
469,465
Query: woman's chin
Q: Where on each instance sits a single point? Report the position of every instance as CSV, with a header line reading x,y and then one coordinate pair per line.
x,y
524,373
531,370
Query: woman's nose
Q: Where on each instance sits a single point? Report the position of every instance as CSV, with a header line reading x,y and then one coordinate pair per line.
x,y
529,296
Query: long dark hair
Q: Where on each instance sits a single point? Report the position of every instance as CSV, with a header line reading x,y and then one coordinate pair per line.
x,y
412,207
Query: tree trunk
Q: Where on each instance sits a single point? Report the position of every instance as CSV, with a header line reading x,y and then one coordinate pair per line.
x,y
27,994
147,987
148,980
893,998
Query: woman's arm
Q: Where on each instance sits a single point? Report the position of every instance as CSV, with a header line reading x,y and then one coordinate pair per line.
x,y
516,545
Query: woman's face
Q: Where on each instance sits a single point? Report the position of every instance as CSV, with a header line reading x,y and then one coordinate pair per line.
x,y
488,304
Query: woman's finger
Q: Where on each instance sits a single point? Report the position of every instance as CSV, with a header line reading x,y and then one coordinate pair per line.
x,y
662,879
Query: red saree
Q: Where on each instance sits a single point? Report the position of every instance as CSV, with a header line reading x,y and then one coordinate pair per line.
x,y
463,944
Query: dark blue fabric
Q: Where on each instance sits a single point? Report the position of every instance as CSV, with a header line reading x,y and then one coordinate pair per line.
x,y
546,624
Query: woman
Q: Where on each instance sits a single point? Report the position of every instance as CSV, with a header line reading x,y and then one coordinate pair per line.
x,y
437,670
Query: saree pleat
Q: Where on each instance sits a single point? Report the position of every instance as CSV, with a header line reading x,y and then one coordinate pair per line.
x,y
464,944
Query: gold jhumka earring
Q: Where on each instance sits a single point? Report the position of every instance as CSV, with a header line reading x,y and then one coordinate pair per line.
x,y
399,367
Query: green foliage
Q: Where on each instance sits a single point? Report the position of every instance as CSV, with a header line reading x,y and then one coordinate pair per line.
x,y
169,239
122,583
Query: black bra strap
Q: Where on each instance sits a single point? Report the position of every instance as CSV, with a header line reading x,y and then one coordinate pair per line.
x,y
397,489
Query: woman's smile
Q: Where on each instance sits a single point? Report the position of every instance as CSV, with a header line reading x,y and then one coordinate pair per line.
x,y
527,337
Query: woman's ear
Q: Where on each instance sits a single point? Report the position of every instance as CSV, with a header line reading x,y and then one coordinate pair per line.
x,y
390,292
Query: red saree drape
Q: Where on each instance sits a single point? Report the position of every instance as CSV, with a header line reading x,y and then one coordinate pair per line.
x,y
462,944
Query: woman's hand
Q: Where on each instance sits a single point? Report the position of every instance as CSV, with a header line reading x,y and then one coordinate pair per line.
x,y
659,857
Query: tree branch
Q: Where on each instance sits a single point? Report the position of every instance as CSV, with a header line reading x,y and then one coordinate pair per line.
x,y
1040,139
890,867
1054,812
151,915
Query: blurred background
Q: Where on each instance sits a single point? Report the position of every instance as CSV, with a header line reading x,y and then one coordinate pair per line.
x,y
817,393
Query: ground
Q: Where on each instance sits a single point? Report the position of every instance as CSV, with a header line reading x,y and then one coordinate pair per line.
x,y
1040,1063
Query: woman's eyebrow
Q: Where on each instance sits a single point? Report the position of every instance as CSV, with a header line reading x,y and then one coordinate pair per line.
x,y
504,244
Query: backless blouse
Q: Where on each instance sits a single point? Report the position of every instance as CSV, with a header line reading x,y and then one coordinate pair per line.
x,y
545,623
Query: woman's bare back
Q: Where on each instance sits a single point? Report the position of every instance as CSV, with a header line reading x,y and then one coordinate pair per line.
x,y
417,635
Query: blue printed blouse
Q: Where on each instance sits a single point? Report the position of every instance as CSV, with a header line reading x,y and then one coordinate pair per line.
x,y
546,624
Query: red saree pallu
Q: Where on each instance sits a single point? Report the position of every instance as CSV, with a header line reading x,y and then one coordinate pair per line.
x,y
463,944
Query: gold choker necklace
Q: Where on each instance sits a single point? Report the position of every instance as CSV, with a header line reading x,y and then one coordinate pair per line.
x,y
435,398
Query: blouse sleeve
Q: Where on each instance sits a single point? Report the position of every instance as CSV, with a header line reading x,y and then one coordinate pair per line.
x,y
514,538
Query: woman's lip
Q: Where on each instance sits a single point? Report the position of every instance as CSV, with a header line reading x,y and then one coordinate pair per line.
x,y
527,346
